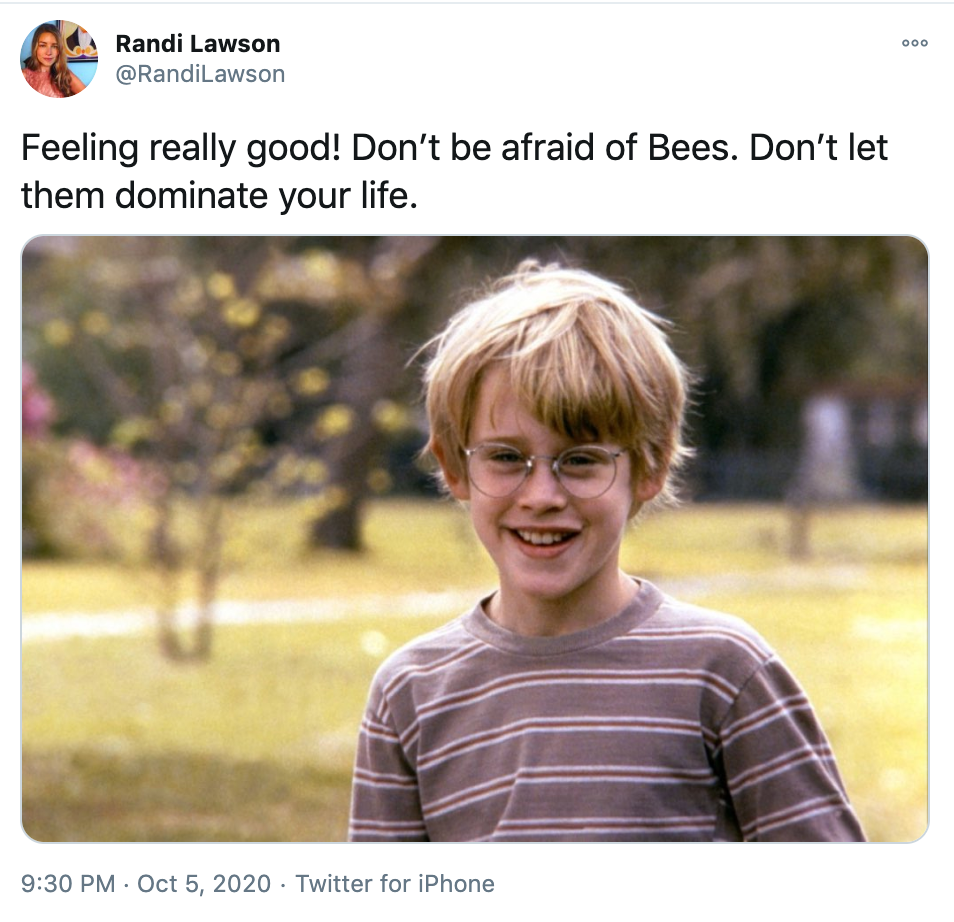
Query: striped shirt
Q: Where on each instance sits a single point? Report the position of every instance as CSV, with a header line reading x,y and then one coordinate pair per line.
x,y
666,723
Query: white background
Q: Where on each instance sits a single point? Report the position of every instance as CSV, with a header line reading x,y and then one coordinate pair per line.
x,y
496,71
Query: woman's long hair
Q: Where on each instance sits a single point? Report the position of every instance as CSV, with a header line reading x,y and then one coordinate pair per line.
x,y
60,72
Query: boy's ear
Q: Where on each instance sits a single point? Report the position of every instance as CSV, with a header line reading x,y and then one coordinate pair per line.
x,y
648,488
643,492
457,483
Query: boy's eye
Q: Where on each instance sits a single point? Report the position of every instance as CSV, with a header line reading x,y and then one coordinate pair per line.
x,y
585,462
580,459
504,455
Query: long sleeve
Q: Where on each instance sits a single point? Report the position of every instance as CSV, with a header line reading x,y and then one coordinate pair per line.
x,y
779,769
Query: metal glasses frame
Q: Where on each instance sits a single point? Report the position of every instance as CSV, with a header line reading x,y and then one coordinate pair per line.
x,y
530,460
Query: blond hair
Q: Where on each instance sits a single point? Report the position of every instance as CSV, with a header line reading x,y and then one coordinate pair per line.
x,y
583,357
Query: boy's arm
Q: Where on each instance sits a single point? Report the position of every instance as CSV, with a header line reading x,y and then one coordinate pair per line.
x,y
779,767
385,804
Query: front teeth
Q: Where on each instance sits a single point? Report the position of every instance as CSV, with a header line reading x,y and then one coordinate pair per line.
x,y
549,537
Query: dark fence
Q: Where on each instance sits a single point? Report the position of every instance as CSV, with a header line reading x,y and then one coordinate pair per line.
x,y
897,474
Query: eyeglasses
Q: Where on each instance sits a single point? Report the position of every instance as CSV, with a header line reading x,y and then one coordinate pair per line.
x,y
497,470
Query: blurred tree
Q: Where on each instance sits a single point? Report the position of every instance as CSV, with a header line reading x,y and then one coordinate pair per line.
x,y
377,300
163,348
231,364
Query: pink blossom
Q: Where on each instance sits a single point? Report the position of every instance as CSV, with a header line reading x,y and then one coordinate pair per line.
x,y
38,407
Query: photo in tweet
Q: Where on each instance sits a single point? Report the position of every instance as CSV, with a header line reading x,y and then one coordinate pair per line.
x,y
230,521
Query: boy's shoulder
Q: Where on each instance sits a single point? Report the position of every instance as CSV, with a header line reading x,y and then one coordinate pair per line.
x,y
430,653
708,637
675,615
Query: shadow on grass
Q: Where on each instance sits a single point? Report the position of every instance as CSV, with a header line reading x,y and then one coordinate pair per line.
x,y
90,796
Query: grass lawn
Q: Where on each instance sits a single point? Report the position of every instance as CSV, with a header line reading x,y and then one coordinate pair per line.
x,y
119,744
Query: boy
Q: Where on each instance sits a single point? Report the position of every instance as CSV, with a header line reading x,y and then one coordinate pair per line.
x,y
577,702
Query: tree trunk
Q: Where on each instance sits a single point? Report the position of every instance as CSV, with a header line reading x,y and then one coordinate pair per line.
x,y
173,640
368,375
799,534
340,529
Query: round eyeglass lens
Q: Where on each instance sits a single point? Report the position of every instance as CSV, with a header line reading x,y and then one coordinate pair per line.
x,y
586,472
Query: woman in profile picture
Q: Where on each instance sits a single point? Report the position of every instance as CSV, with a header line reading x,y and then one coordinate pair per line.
x,y
46,69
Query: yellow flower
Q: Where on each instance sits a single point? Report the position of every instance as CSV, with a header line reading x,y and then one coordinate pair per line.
x,y
241,312
226,466
334,421
324,267
286,470
389,416
220,286
187,298
58,332
128,432
96,323
314,471
311,381
171,412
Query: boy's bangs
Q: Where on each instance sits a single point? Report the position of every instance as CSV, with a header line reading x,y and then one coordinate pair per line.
x,y
570,395
570,378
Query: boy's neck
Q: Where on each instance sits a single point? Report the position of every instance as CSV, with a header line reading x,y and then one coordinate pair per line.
x,y
558,617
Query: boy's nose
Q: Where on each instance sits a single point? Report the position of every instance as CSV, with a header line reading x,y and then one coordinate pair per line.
x,y
542,486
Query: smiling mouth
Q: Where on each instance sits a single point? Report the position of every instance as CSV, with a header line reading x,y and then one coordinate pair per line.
x,y
544,538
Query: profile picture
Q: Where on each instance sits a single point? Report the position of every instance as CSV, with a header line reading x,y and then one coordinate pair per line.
x,y
59,59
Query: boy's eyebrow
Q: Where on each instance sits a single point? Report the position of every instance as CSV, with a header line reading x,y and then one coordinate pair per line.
x,y
513,440
522,443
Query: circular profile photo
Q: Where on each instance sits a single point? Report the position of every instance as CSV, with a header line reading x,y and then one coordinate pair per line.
x,y
59,58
